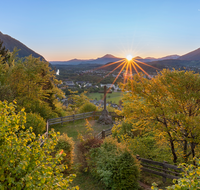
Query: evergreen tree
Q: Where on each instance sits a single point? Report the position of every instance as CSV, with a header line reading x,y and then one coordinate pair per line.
x,y
3,52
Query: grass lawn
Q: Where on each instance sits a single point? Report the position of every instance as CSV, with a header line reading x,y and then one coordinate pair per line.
x,y
72,129
114,96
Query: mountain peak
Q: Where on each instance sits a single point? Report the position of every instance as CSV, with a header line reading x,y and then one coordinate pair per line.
x,y
108,56
10,43
193,55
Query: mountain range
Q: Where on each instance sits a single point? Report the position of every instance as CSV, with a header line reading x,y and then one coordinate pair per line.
x,y
191,56
10,43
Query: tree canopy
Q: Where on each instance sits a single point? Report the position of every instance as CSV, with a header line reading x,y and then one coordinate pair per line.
x,y
32,84
24,163
4,53
168,104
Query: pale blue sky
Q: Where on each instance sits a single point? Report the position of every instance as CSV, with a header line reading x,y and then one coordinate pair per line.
x,y
83,29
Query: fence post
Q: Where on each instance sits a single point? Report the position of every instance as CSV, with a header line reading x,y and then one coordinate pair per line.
x,y
61,121
73,118
164,167
103,134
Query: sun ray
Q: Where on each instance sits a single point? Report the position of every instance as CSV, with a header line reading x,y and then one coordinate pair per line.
x,y
135,67
116,77
146,64
115,69
129,65
109,64
143,70
131,73
112,71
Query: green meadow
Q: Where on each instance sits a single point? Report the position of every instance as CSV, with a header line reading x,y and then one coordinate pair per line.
x,y
114,96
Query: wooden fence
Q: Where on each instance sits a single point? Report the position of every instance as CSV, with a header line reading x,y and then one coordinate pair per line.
x,y
78,116
104,133
160,168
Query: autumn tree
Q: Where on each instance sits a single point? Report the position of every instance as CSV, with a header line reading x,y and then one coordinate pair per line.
x,y
76,101
32,83
169,104
24,163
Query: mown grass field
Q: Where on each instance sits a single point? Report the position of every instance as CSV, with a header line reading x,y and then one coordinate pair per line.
x,y
72,129
114,96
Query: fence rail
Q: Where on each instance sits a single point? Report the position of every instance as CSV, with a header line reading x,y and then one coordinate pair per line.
x,y
160,168
78,116
103,134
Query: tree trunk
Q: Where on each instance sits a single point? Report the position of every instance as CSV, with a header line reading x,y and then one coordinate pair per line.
x,y
173,151
185,156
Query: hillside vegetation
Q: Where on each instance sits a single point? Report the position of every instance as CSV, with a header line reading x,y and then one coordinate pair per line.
x,y
161,123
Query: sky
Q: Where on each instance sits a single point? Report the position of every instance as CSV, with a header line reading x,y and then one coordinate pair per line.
x,y
87,29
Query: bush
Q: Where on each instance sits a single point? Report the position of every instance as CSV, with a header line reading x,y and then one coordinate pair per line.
x,y
24,163
83,148
145,144
35,121
114,165
66,144
43,108
87,107
147,147
190,178
87,142
123,129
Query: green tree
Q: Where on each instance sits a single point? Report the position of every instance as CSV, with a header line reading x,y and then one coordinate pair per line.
x,y
4,52
30,82
114,165
76,101
24,163
87,107
168,104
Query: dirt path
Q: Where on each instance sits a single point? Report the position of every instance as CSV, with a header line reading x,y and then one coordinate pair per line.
x,y
144,186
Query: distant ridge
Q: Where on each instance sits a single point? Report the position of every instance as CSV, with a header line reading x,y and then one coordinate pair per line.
x,y
10,43
101,60
108,58
191,56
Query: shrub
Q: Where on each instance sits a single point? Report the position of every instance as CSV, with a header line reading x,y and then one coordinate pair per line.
x,y
87,142
190,178
87,107
66,144
35,121
124,129
43,108
147,147
24,163
114,165
83,148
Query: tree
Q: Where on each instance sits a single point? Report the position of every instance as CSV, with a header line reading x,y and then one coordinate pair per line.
x,y
31,82
24,163
169,103
114,165
76,101
3,52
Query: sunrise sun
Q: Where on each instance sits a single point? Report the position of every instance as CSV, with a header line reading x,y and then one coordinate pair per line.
x,y
129,57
